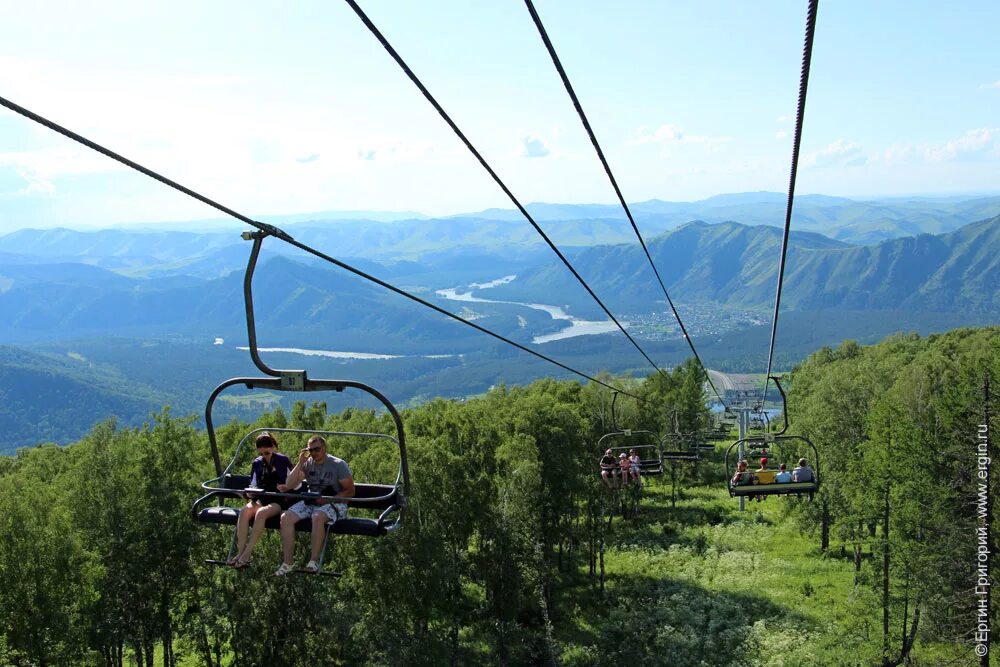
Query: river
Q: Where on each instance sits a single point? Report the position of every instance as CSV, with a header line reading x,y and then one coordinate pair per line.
x,y
577,327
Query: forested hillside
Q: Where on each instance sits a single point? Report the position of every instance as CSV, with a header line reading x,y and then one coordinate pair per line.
x,y
733,264
510,552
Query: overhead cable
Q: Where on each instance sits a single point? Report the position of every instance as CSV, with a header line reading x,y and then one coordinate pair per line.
x,y
614,183
799,117
510,195
278,233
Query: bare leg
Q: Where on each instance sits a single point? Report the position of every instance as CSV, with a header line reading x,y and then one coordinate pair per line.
x,y
318,533
288,521
242,528
260,519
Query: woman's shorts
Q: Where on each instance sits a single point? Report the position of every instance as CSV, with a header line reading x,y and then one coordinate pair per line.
x,y
333,511
283,503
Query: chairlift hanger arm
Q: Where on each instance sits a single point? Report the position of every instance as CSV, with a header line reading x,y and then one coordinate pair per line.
x,y
258,239
784,404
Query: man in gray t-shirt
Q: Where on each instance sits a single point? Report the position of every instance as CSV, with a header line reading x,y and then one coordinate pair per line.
x,y
803,473
324,476
327,475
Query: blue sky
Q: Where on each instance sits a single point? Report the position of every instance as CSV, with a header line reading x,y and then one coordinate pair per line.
x,y
277,108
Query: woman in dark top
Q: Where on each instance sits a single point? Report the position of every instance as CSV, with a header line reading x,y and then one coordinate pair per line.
x,y
267,473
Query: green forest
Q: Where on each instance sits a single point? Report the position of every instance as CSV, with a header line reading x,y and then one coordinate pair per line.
x,y
513,552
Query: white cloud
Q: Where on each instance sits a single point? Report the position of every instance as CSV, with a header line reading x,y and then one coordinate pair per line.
x,y
839,153
215,133
37,185
780,134
782,119
995,84
974,145
41,168
533,146
671,134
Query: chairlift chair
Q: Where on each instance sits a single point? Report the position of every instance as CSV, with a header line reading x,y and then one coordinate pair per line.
x,y
387,498
701,440
780,448
650,459
676,447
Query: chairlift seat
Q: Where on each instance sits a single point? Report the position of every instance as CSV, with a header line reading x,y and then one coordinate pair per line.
x,y
650,467
366,496
681,456
775,488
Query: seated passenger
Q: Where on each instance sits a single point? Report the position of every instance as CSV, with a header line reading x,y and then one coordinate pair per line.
x,y
624,467
803,473
742,476
763,468
608,468
783,477
634,460
268,473
327,475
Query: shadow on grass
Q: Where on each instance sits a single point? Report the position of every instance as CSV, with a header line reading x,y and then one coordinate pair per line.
x,y
648,621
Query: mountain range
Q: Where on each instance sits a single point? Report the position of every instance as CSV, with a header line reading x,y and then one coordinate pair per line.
x,y
122,321
736,265
208,254
728,264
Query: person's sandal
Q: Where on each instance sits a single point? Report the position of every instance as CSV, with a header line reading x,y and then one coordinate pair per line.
x,y
240,564
312,567
284,569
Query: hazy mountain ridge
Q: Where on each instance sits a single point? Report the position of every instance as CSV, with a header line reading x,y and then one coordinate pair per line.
x,y
210,254
299,302
737,265
849,220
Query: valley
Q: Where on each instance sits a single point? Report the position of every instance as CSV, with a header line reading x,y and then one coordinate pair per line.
x,y
101,318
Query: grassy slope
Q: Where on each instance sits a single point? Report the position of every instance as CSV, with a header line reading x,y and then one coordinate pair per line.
x,y
730,587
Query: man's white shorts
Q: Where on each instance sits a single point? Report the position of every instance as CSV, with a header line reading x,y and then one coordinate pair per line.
x,y
333,511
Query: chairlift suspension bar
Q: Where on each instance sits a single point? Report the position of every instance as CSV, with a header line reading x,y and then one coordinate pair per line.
x,y
258,239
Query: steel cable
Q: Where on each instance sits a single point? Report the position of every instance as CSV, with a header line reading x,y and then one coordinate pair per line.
x,y
278,233
472,149
799,117
614,183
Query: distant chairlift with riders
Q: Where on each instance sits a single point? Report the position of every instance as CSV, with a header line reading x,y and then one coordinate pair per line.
x,y
644,445
773,450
